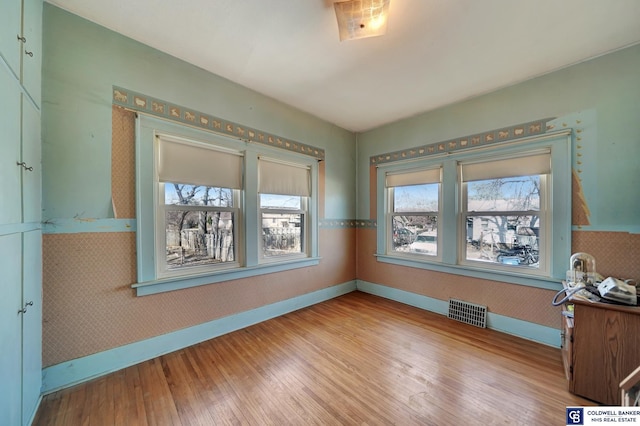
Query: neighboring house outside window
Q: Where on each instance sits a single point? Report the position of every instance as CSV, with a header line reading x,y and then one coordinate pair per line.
x,y
203,203
284,190
414,208
503,210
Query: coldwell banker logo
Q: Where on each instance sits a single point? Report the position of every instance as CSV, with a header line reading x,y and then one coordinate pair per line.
x,y
575,416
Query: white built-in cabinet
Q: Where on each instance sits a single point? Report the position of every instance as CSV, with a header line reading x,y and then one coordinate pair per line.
x,y
20,210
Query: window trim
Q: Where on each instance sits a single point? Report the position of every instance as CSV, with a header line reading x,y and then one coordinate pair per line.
x,y
389,222
162,271
560,208
391,212
146,201
543,214
304,234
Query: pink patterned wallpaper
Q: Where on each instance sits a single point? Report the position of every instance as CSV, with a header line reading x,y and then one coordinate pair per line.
x,y
123,168
614,253
89,305
512,300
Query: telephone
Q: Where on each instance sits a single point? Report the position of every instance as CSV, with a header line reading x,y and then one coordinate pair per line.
x,y
583,282
619,291
611,290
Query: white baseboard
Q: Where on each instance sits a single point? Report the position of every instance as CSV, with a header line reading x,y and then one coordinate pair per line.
x,y
79,370
527,330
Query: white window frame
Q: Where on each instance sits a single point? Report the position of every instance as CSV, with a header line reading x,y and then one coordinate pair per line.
x,y
544,214
405,177
303,212
162,271
299,176
148,230
452,234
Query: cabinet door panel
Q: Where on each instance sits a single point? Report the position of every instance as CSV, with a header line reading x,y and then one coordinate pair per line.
x,y
10,329
605,350
32,61
589,368
10,29
32,323
10,172
31,155
567,349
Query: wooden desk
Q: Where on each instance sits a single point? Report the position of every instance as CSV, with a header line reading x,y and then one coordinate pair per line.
x,y
601,347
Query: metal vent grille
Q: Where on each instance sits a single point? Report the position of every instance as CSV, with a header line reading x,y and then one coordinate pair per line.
x,y
468,313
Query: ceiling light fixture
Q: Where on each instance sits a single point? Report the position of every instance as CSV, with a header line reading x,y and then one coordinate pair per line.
x,y
361,18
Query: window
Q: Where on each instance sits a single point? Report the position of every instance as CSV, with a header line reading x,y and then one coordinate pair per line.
x,y
198,224
414,210
503,209
211,208
198,206
283,225
284,192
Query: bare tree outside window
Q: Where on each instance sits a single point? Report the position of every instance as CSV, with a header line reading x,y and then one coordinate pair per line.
x,y
199,223
503,220
414,221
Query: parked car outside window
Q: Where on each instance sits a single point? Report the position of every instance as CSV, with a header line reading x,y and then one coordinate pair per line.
x,y
402,236
425,243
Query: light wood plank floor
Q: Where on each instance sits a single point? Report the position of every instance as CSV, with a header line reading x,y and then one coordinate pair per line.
x,y
357,359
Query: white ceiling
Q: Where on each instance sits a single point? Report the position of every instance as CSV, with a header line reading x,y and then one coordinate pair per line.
x,y
435,52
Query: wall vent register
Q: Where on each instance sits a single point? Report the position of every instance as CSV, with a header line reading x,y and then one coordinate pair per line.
x,y
469,313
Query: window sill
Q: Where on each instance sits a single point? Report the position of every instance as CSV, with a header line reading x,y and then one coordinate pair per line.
x,y
469,271
177,283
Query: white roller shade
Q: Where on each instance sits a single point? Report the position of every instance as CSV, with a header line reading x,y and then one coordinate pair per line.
x,y
416,177
196,164
536,164
283,178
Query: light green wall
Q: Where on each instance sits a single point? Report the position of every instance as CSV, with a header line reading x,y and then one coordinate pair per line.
x,y
607,89
82,61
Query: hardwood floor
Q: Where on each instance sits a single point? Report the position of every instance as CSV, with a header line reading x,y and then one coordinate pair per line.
x,y
357,359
